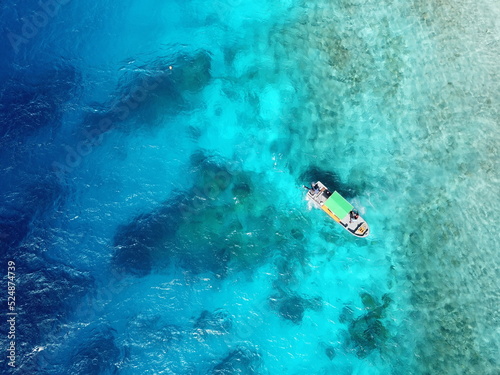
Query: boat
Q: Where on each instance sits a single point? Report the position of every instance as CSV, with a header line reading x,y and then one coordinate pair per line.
x,y
338,209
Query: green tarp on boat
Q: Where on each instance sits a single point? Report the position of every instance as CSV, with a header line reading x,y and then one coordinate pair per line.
x,y
338,205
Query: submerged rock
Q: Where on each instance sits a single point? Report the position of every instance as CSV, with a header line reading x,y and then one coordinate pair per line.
x,y
192,73
241,190
330,352
368,301
240,361
212,177
386,299
293,307
297,233
215,226
347,315
216,322
367,333
150,92
372,304
135,242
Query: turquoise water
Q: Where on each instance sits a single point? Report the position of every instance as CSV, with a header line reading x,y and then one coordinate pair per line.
x,y
154,204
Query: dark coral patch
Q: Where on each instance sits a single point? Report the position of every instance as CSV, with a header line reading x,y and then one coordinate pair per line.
x,y
150,93
218,322
240,361
347,315
330,352
192,72
292,309
367,333
135,242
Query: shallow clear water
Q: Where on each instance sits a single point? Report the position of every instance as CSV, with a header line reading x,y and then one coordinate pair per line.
x,y
152,161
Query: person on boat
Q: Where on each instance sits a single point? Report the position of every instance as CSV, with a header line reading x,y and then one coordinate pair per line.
x,y
314,188
353,215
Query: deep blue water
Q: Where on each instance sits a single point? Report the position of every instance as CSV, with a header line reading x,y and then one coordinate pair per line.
x,y
152,158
